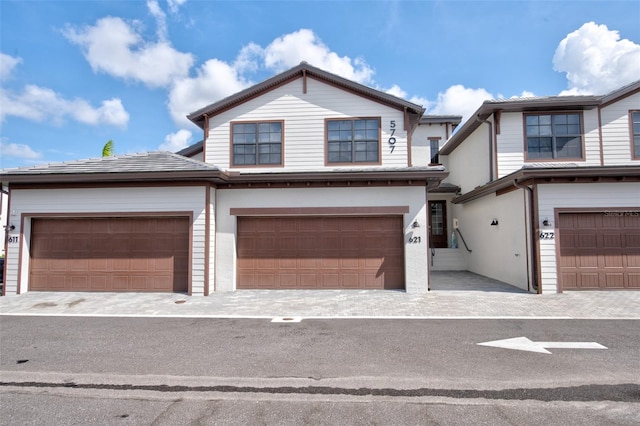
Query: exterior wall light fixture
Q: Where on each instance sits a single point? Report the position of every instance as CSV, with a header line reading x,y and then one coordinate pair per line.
x,y
415,224
494,222
546,222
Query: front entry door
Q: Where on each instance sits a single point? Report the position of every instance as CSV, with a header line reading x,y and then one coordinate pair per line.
x,y
438,224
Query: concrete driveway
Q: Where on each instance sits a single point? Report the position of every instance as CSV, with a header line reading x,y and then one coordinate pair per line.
x,y
453,295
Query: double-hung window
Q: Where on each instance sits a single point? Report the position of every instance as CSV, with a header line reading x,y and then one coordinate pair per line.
x,y
553,136
635,133
258,143
353,140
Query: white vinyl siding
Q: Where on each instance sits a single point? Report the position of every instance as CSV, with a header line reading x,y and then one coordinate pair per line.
x,y
616,136
511,143
304,115
34,202
577,195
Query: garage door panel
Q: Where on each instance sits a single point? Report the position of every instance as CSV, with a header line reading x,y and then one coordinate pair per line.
x,y
595,251
323,252
634,280
614,280
109,254
632,241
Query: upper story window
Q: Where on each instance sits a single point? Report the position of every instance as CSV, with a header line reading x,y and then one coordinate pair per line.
x,y
434,145
553,136
353,141
635,133
258,143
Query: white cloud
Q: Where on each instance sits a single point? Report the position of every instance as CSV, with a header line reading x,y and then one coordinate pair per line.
x,y
176,141
160,17
303,45
459,100
7,64
116,48
596,60
174,5
214,80
16,150
39,104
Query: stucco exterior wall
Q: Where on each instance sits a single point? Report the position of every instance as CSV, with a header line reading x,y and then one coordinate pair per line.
x,y
29,203
304,117
577,195
421,145
468,164
498,252
416,259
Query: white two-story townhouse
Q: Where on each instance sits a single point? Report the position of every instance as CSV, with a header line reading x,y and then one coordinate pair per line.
x,y
550,191
303,181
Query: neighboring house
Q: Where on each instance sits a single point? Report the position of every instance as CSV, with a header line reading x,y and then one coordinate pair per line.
x,y
550,191
306,180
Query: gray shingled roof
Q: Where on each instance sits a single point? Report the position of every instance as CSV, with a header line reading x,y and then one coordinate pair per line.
x,y
540,103
134,163
148,162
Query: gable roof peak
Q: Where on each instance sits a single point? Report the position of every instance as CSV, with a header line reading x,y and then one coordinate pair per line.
x,y
303,70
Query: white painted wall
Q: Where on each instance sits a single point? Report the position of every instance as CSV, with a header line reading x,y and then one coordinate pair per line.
x,y
420,144
416,259
577,195
468,164
498,252
304,125
32,202
616,131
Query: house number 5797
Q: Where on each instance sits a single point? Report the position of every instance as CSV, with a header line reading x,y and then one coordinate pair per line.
x,y
392,139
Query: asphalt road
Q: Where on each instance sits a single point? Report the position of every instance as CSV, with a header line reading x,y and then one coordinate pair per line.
x,y
247,371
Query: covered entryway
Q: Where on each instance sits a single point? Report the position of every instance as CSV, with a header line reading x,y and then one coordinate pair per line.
x,y
320,252
599,251
142,254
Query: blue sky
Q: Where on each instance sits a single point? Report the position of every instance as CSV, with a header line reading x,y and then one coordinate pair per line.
x,y
75,74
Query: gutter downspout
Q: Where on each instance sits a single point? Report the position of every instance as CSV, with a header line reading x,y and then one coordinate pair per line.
x,y
490,145
533,229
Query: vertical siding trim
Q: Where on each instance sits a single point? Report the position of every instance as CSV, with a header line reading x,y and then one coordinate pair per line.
x,y
535,238
6,241
207,233
527,243
205,137
632,148
406,120
600,136
409,136
304,82
23,218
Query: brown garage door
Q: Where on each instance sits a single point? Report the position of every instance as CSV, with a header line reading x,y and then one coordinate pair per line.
x,y
599,251
320,253
110,254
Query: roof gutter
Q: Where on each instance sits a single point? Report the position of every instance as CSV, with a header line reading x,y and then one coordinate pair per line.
x,y
533,219
490,145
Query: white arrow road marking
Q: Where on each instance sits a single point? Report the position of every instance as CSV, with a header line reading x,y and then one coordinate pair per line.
x,y
524,344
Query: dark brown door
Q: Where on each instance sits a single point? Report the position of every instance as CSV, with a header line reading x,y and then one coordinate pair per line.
x,y
110,254
320,253
599,251
438,224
